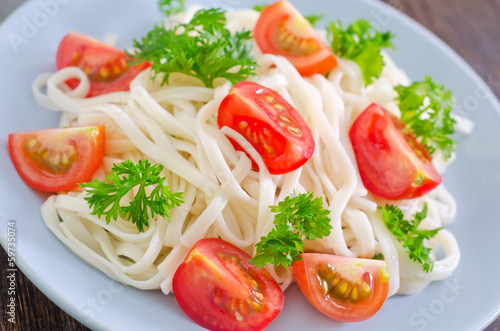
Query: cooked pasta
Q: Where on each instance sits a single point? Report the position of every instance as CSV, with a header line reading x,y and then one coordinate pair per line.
x,y
175,125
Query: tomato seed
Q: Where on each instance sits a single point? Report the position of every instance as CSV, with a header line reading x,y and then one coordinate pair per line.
x,y
103,72
279,107
31,143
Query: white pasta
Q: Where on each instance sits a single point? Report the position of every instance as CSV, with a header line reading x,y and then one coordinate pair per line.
x,y
175,125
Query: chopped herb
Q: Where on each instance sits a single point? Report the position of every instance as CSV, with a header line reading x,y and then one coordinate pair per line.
x,y
105,197
409,235
362,44
314,18
425,109
202,48
259,8
171,7
298,218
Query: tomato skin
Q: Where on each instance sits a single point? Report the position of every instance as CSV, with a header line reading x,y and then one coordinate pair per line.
x,y
282,30
352,271
392,165
38,156
106,66
273,127
218,289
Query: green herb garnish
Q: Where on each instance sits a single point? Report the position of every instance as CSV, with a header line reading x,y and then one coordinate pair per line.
x,y
362,44
425,109
202,48
314,18
298,218
171,7
259,8
105,197
408,234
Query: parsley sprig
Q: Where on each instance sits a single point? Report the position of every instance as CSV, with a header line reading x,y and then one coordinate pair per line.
x,y
313,18
409,235
425,109
202,48
104,197
298,218
360,43
171,7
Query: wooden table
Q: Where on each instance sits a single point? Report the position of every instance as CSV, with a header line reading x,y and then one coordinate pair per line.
x,y
471,28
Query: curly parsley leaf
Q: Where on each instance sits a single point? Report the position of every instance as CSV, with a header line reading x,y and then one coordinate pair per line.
x,y
202,48
171,7
425,109
409,235
298,218
259,8
314,18
360,43
104,197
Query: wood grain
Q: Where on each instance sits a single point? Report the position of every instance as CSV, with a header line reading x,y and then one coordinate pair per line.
x,y
470,27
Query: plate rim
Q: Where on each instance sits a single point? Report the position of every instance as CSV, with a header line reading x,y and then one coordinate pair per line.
x,y
61,301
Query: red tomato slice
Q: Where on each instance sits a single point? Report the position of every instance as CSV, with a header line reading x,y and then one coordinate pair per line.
x,y
57,159
345,289
106,66
218,289
273,127
282,30
392,165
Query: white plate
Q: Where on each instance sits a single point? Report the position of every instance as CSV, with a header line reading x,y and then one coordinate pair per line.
x,y
469,300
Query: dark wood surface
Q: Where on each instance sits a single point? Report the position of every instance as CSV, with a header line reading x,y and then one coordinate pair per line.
x,y
471,28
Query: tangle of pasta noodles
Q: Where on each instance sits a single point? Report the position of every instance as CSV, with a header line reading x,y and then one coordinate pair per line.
x,y
175,125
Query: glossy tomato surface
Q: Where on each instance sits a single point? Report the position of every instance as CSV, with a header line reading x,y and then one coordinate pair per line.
x,y
345,289
392,165
57,159
218,289
282,30
273,127
106,66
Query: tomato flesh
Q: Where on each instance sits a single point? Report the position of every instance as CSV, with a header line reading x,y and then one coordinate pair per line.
x,y
57,159
392,164
345,289
282,30
106,67
273,127
218,289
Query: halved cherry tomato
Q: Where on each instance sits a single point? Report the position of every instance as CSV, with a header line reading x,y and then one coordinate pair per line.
x,y
392,165
282,30
106,66
218,289
345,289
57,159
273,127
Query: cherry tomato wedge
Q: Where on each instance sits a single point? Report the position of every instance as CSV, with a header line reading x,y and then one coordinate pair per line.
x,y
345,289
392,165
282,30
57,159
106,66
218,289
273,127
